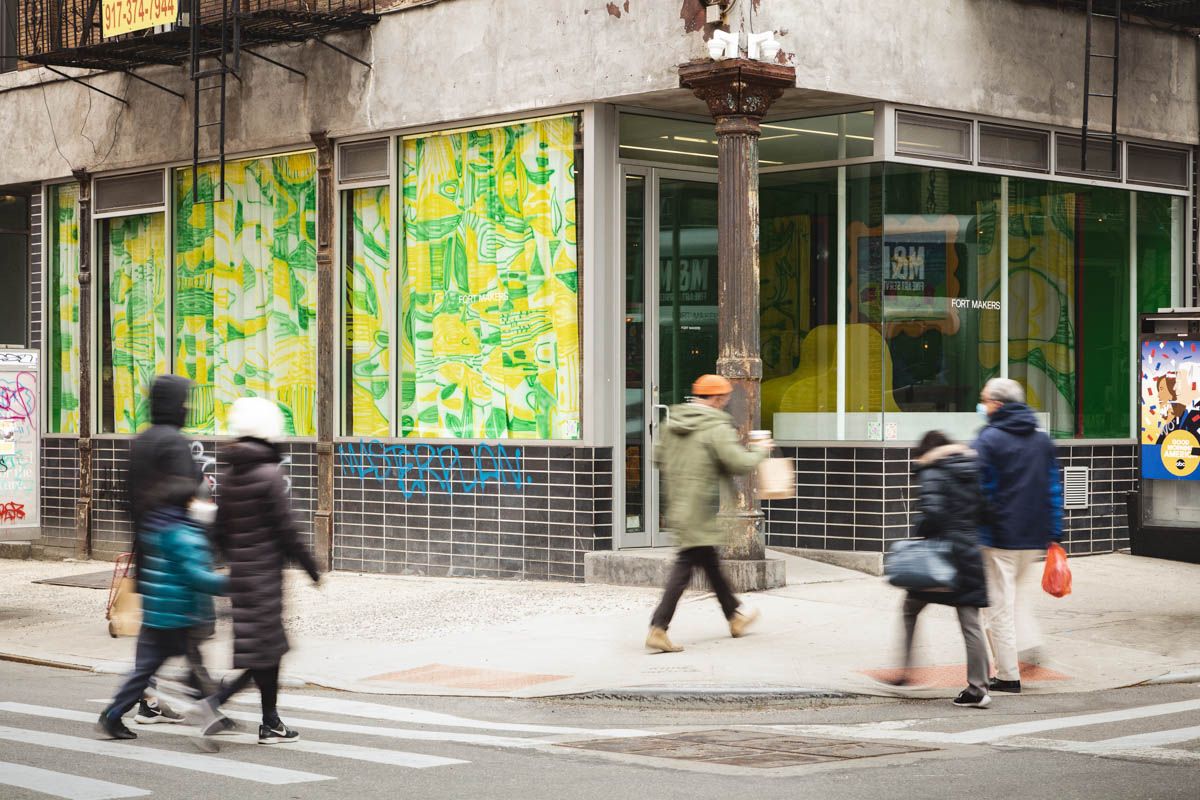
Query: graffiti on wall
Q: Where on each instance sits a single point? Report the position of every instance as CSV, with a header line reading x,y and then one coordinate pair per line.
x,y
208,468
19,439
421,468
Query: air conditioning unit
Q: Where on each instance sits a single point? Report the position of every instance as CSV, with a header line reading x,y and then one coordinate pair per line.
x,y
1075,487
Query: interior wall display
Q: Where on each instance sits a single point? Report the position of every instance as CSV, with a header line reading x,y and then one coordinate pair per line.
x,y
785,291
1041,314
489,334
370,311
246,289
63,313
20,443
1170,410
135,275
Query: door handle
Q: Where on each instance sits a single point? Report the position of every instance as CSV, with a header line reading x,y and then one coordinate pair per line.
x,y
666,415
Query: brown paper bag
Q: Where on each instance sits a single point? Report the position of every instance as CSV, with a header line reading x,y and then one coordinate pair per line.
x,y
776,479
125,616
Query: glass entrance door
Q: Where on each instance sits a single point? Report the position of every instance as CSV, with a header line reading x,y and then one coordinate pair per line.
x,y
670,259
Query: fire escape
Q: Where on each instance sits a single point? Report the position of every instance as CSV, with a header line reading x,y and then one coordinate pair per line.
x,y
1103,21
207,37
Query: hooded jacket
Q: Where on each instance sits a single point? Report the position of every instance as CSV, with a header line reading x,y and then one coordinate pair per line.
x,y
162,472
699,453
177,578
1021,481
949,503
257,534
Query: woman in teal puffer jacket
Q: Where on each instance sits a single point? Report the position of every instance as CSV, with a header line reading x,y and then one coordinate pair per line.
x,y
177,584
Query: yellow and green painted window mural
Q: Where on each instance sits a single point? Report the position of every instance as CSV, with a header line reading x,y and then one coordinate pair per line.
x,y
489,336
245,294
134,323
370,312
63,312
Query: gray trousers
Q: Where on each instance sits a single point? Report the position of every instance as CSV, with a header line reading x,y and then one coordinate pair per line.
x,y
972,631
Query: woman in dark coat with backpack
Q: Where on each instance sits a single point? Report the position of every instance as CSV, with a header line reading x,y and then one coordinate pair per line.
x,y
257,534
949,503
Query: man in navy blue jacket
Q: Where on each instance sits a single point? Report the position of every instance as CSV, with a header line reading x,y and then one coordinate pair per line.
x,y
1021,484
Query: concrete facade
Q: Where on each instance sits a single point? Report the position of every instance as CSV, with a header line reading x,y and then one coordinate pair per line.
x,y
442,63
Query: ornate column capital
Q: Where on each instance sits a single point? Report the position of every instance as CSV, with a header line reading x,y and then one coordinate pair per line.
x,y
737,91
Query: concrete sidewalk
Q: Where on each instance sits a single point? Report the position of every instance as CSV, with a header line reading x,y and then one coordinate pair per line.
x,y
1129,620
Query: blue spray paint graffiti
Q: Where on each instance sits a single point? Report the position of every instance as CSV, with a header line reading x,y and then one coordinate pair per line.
x,y
421,468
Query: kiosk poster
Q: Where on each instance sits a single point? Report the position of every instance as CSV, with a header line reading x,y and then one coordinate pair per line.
x,y
1170,410
19,443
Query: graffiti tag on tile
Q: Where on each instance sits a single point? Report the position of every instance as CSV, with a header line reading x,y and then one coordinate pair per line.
x,y
208,468
421,468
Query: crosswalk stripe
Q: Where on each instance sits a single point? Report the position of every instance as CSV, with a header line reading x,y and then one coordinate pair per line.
x,y
163,758
398,733
389,733
980,735
1163,755
416,716
1152,739
60,784
994,733
395,758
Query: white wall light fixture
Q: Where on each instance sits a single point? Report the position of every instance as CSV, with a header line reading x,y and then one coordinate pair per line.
x,y
723,45
763,46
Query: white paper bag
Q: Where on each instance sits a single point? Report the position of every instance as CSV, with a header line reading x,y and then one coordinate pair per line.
x,y
776,479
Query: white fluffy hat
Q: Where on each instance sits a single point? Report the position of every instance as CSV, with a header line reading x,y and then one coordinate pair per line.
x,y
255,417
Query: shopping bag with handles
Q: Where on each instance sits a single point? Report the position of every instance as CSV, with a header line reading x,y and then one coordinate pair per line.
x,y
1056,576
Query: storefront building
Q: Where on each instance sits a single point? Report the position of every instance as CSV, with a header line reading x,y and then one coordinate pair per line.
x,y
474,284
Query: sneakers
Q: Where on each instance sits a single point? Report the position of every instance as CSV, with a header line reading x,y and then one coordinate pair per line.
x,y
211,720
276,734
997,685
969,698
657,640
155,710
741,620
113,728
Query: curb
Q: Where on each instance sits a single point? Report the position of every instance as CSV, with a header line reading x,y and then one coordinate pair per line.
x,y
710,695
120,668
1185,676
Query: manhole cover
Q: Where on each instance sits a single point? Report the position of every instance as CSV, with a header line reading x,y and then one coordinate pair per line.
x,y
746,748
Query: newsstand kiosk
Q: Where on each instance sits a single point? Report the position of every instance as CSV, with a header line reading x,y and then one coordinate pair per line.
x,y
1164,515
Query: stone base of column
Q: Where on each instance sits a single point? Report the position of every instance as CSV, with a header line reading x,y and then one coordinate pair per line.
x,y
650,567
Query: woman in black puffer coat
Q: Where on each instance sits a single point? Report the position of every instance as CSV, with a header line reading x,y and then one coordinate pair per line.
x,y
949,503
257,534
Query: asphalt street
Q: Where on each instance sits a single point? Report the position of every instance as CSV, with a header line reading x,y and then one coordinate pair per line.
x,y
1132,743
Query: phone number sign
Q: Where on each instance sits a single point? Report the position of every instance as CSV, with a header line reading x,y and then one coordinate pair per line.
x,y
123,16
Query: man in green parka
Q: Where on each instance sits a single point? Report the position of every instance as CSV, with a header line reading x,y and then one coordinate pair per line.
x,y
698,454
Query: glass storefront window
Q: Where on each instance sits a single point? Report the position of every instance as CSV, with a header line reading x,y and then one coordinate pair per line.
x,y
62,312
489,303
924,286
369,307
940,292
1069,306
133,318
782,142
245,294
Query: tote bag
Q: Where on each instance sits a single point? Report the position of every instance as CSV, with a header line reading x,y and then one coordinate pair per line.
x,y
921,564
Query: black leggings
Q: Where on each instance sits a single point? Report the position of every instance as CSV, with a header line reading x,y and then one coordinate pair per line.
x,y
267,680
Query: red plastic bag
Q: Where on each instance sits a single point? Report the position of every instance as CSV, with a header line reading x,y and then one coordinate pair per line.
x,y
1056,577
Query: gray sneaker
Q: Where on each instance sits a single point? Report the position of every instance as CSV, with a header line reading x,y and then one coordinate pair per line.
x,y
154,710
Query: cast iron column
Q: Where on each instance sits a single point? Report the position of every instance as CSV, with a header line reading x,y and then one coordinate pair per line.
x,y
326,358
738,93
83,506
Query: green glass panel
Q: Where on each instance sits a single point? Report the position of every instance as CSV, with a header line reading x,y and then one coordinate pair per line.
x,y
62,313
1156,215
